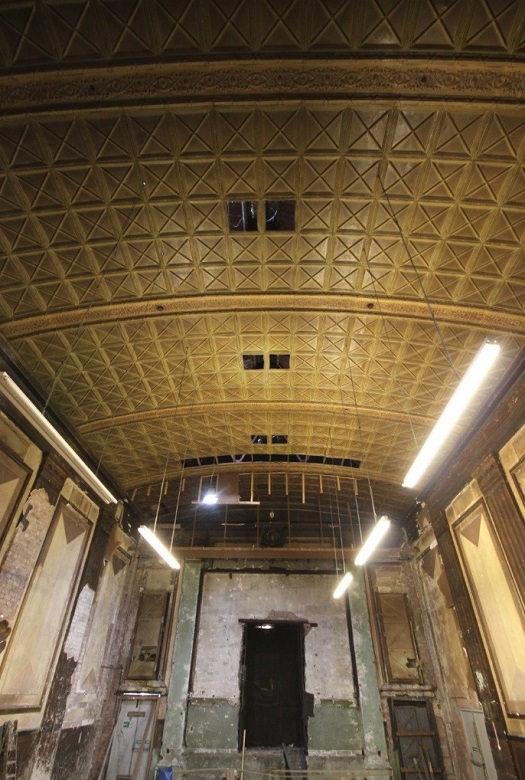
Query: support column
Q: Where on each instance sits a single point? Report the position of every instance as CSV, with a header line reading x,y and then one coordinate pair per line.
x,y
505,514
486,688
179,685
374,740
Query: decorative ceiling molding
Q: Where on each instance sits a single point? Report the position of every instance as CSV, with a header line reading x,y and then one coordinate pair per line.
x,y
422,79
191,410
417,310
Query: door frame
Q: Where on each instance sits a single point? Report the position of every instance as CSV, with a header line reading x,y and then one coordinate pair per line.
x,y
247,623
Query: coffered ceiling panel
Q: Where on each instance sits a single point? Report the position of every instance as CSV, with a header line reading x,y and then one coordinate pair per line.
x,y
129,290
54,32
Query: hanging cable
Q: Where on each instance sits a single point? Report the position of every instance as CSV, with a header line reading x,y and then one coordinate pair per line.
x,y
71,347
358,517
359,428
416,272
178,501
161,491
332,526
340,527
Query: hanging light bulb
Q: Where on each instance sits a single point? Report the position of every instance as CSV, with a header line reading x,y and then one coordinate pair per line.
x,y
343,585
372,541
461,398
159,548
210,497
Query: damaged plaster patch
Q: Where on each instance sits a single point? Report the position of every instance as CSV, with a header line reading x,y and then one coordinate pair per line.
x,y
480,681
233,597
75,637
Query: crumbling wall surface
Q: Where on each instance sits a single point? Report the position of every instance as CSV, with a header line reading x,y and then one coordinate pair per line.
x,y
21,557
453,676
30,523
228,598
444,679
57,702
336,734
89,669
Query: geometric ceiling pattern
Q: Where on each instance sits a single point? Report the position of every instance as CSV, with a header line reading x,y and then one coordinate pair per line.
x,y
54,32
128,301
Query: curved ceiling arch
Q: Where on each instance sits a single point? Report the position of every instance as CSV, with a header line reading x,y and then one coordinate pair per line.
x,y
493,321
128,296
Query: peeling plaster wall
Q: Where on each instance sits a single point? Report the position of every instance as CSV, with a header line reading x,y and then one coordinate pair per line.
x,y
456,689
341,733
443,667
20,559
66,734
227,598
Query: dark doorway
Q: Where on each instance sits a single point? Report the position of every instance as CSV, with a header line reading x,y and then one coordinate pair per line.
x,y
415,740
272,687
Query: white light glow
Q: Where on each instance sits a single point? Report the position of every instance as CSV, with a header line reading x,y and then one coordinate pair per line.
x,y
210,498
159,548
27,408
372,541
266,626
462,396
343,585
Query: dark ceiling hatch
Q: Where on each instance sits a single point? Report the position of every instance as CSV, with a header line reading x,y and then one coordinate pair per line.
x,y
273,699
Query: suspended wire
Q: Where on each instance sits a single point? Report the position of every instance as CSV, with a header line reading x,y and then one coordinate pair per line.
x,y
161,491
167,460
178,500
71,347
332,526
340,526
418,276
387,335
358,517
359,427
330,449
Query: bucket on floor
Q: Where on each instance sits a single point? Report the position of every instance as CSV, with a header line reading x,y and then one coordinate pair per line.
x,y
164,773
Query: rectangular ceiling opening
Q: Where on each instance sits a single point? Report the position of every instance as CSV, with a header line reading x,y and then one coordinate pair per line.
x,y
242,215
279,438
259,438
272,686
280,215
280,361
253,362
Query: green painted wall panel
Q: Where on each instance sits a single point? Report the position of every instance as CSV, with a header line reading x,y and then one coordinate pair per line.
x,y
335,726
212,724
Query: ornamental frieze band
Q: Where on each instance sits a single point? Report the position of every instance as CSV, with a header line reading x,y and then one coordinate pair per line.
x,y
421,79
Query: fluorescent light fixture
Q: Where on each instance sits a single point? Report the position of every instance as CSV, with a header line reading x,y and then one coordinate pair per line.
x,y
21,402
159,548
210,497
343,585
372,541
461,398
266,626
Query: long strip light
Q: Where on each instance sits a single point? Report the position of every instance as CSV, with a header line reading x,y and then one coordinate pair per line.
x,y
343,585
21,402
461,397
159,548
375,536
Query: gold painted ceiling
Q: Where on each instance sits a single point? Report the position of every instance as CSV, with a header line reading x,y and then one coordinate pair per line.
x,y
127,301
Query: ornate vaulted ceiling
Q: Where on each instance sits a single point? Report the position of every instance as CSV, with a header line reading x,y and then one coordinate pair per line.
x,y
128,299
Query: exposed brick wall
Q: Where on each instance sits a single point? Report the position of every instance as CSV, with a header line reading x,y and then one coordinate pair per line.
x,y
53,751
23,552
55,756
